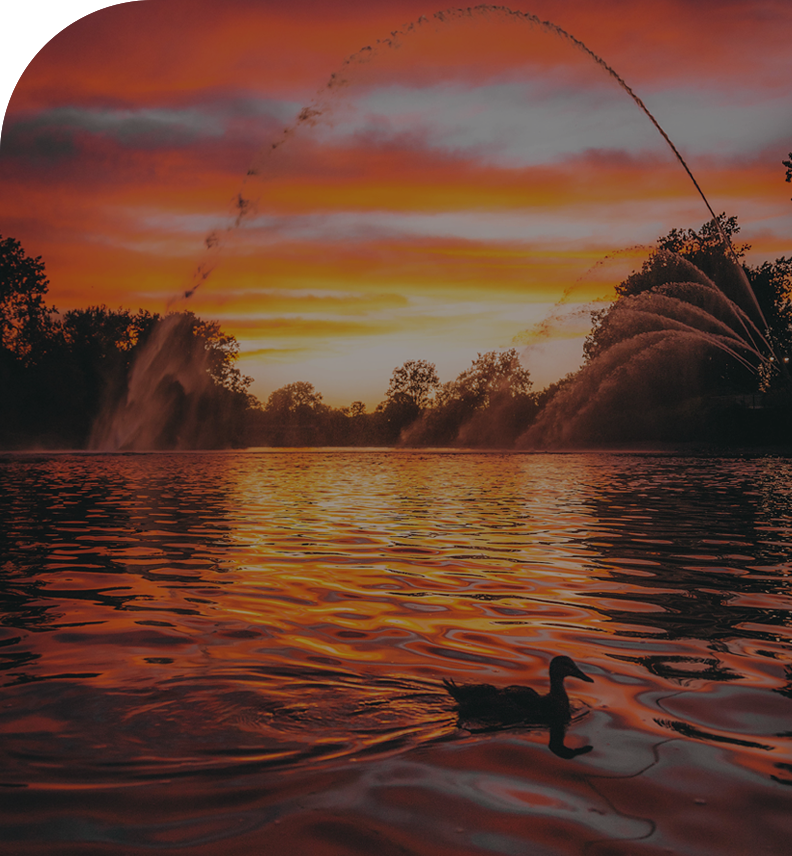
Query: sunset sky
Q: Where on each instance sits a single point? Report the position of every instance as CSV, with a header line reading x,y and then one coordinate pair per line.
x,y
461,177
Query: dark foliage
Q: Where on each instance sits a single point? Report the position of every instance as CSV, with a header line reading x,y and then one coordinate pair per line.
x,y
25,320
59,373
489,405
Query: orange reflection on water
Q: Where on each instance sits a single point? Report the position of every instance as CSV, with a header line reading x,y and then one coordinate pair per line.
x,y
274,614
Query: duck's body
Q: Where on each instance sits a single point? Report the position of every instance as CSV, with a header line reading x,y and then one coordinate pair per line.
x,y
510,705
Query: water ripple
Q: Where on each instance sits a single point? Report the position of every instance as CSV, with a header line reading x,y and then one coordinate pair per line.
x,y
239,616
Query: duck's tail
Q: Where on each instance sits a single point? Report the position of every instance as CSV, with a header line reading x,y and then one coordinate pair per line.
x,y
453,689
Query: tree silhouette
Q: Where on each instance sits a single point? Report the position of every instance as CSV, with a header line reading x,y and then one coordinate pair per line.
x,y
413,383
294,415
492,376
409,392
489,404
24,318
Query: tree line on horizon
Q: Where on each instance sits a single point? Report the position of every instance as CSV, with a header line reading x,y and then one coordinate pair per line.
x,y
487,405
59,373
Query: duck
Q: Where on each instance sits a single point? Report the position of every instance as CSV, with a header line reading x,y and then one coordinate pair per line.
x,y
518,704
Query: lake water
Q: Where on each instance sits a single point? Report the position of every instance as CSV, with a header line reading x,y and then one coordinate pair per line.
x,y
242,653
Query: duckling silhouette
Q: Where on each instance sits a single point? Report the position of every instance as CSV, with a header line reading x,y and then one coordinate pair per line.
x,y
515,704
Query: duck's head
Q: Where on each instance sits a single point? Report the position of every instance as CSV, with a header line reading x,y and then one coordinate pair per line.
x,y
564,667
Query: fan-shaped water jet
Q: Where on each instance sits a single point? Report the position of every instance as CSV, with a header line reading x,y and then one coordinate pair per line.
x,y
651,363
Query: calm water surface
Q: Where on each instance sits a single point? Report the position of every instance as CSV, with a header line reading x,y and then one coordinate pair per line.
x,y
242,653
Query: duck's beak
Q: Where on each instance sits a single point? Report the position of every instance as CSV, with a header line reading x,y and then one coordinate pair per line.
x,y
578,674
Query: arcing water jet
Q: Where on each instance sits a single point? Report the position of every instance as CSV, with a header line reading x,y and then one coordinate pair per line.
x,y
340,79
144,384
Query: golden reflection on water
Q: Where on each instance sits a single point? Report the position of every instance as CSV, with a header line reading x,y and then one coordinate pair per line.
x,y
264,614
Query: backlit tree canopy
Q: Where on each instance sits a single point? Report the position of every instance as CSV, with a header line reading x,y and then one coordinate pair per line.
x,y
24,318
414,382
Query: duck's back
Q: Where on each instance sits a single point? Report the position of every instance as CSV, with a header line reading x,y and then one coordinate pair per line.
x,y
485,699
467,694
524,696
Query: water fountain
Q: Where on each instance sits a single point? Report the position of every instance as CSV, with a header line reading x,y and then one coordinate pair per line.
x,y
691,320
171,401
655,357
